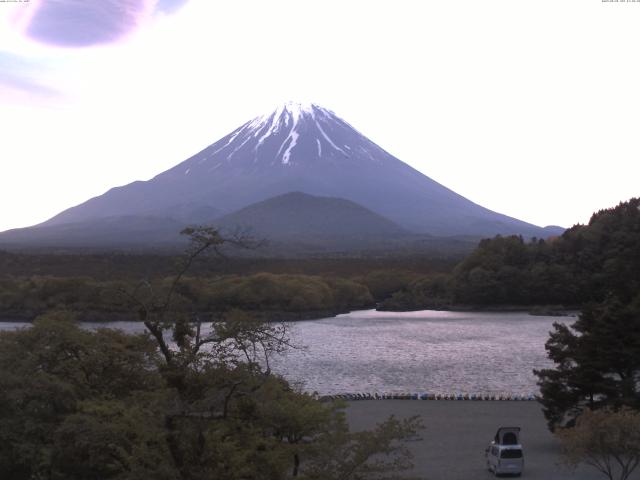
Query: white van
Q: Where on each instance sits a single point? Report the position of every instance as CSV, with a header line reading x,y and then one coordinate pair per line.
x,y
504,454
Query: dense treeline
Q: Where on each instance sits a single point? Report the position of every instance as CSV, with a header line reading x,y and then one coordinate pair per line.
x,y
266,292
585,264
271,295
131,266
31,284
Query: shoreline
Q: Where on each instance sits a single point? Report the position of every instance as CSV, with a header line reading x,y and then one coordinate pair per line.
x,y
534,310
108,317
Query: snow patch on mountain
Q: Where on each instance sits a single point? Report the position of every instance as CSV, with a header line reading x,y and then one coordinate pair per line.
x,y
326,137
235,150
293,139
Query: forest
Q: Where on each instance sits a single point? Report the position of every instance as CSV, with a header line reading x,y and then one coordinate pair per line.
x,y
584,264
92,286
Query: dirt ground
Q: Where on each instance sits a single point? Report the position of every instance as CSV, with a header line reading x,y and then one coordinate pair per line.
x,y
451,447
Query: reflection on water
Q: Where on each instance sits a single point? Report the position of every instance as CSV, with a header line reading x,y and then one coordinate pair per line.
x,y
428,351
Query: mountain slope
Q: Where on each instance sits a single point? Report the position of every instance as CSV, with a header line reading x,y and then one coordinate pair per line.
x,y
135,231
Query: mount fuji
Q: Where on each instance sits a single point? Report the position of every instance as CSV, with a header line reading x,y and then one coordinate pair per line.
x,y
295,148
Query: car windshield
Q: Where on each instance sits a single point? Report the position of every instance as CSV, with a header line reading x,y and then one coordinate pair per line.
x,y
511,453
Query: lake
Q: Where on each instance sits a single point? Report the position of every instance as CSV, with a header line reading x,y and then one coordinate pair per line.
x,y
404,352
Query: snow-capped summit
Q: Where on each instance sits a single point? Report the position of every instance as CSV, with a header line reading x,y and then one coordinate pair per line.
x,y
291,134
289,113
299,147
292,110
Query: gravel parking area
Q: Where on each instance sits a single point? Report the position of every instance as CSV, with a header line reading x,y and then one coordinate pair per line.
x,y
451,447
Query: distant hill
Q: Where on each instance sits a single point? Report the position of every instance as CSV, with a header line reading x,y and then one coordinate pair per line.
x,y
299,216
294,225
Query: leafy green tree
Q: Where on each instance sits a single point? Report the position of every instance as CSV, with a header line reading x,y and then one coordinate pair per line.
x,y
383,283
57,379
112,439
606,440
348,455
429,292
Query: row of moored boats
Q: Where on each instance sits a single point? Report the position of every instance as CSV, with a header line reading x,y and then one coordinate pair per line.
x,y
431,396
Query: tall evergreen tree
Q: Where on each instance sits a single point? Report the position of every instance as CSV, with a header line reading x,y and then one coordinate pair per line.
x,y
597,362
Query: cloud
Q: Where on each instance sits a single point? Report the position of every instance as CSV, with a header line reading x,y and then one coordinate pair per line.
x,y
82,23
170,6
19,77
15,84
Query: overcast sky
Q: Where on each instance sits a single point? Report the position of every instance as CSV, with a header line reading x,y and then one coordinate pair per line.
x,y
530,108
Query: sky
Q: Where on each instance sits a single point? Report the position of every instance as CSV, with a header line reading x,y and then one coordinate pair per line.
x,y
529,108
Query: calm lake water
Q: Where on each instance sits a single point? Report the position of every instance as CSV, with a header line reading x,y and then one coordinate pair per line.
x,y
427,351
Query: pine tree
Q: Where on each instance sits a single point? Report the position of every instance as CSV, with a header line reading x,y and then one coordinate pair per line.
x,y
597,362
